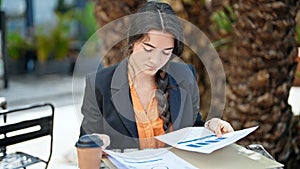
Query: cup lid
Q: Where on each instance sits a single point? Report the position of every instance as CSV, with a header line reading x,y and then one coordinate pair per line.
x,y
89,141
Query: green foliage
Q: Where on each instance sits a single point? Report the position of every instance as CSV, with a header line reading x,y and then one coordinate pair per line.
x,y
224,19
60,39
298,35
298,74
43,47
87,19
51,44
17,45
56,43
62,7
222,42
191,2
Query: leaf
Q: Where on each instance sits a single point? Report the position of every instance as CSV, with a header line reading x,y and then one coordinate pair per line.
x,y
298,74
298,34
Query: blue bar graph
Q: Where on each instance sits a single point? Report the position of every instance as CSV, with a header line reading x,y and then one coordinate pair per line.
x,y
202,141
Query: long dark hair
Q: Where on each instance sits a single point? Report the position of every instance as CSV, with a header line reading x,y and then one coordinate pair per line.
x,y
157,16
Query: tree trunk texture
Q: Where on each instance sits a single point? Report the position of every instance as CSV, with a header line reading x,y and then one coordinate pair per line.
x,y
198,13
107,11
259,76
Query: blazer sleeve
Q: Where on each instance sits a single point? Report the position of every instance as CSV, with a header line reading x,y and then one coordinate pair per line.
x,y
92,117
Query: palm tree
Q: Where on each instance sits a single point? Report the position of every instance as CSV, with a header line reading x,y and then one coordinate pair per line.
x,y
259,75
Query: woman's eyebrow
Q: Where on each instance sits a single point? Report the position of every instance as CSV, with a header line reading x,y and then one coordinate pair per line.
x,y
147,44
169,48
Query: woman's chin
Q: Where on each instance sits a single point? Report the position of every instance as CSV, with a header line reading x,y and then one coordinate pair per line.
x,y
151,72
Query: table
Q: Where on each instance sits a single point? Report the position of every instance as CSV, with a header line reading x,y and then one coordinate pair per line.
x,y
230,157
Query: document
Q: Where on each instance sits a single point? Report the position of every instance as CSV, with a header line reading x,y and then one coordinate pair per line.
x,y
202,140
160,158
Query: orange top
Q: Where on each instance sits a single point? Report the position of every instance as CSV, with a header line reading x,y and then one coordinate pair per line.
x,y
148,122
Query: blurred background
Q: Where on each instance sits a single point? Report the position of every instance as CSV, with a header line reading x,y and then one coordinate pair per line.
x,y
258,42
40,42
44,37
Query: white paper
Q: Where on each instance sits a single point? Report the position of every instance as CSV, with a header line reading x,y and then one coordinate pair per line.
x,y
160,158
202,140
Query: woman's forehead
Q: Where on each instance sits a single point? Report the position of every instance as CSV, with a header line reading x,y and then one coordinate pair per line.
x,y
160,33
159,38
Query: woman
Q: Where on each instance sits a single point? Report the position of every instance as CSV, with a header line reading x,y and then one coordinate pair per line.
x,y
146,94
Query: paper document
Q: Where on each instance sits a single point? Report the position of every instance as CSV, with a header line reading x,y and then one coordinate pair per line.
x,y
148,159
200,139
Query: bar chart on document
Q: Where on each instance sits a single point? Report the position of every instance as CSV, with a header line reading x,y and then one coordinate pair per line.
x,y
200,139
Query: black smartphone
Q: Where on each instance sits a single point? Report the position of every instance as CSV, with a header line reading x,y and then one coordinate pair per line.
x,y
259,149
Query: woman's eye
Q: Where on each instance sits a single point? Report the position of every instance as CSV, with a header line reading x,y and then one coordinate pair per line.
x,y
167,53
148,49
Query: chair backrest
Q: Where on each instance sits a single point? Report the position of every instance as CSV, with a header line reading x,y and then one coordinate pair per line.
x,y
13,133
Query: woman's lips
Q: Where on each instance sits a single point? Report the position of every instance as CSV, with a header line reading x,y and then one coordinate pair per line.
x,y
151,67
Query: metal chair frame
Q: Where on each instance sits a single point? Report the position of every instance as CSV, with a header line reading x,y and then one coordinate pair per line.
x,y
46,128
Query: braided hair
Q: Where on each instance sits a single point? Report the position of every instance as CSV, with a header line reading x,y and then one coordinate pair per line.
x,y
158,16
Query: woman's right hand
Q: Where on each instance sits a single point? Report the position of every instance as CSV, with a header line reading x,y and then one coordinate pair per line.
x,y
105,139
218,126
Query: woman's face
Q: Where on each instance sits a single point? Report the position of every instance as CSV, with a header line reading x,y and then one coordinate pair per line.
x,y
152,53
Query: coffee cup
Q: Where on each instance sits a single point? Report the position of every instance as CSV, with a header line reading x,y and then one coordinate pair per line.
x,y
89,151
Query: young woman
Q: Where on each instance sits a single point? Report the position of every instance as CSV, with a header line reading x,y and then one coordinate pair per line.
x,y
147,94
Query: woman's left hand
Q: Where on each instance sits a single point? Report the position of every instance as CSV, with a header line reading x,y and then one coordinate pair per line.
x,y
218,126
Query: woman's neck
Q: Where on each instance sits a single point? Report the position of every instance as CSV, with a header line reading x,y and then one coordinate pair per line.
x,y
141,79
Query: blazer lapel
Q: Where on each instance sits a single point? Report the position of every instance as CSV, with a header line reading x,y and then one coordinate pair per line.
x,y
177,98
121,98
177,95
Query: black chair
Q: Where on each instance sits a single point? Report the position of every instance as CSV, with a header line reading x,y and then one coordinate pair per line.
x,y
21,131
3,103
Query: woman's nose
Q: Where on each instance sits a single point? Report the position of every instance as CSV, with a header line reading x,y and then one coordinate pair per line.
x,y
156,57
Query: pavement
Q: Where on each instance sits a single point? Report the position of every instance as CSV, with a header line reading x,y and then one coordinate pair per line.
x,y
58,90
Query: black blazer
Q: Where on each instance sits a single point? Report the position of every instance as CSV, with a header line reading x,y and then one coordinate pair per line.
x,y
107,107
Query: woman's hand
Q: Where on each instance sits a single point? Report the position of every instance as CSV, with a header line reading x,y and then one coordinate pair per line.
x,y
105,139
218,126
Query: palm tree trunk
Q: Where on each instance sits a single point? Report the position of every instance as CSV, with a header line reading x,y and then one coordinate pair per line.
x,y
260,74
198,13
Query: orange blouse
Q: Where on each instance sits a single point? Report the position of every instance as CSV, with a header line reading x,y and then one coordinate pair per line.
x,y
148,122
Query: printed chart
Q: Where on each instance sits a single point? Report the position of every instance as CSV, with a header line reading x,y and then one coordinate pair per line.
x,y
202,142
200,139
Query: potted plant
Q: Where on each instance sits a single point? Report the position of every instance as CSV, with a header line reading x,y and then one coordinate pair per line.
x,y
20,51
53,46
